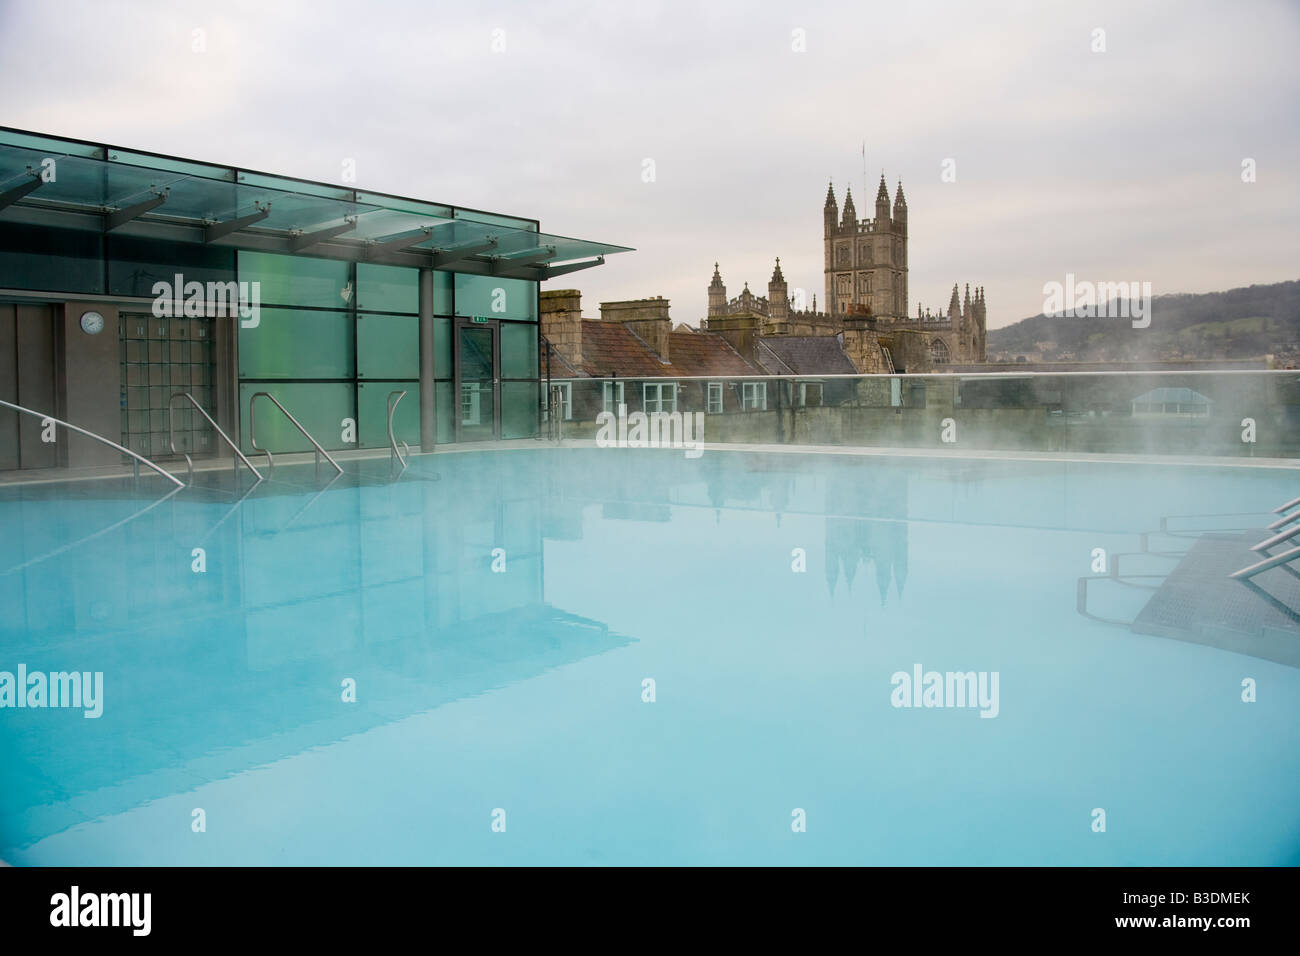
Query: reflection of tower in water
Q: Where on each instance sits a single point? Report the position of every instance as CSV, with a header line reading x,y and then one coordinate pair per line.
x,y
866,524
764,485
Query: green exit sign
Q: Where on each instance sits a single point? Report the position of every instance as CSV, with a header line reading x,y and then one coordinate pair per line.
x,y
482,319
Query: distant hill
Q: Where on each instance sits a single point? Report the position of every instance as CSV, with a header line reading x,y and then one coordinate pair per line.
x,y
1240,323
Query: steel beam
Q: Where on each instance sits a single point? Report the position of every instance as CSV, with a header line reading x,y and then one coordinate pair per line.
x,y
550,272
11,196
216,230
514,260
462,250
305,239
402,242
120,217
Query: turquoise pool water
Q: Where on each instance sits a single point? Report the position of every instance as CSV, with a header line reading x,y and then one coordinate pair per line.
x,y
517,696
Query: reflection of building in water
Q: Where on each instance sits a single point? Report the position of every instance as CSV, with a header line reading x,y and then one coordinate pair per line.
x,y
858,541
388,587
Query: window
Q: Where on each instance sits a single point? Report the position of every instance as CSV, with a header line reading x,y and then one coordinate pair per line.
x,y
715,398
754,395
469,406
810,394
160,357
659,397
613,396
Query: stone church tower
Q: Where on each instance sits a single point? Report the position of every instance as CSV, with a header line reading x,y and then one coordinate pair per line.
x,y
865,265
866,260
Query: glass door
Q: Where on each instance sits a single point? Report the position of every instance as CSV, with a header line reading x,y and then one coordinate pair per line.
x,y
478,380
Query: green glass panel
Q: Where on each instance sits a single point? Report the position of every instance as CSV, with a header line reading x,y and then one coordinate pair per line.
x,y
287,343
405,205
296,280
50,145
442,287
492,219
442,348
388,288
186,167
135,264
50,260
519,409
518,351
321,407
388,346
372,409
299,186
496,298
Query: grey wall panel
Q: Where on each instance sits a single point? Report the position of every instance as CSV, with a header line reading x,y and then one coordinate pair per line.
x,y
8,388
34,343
92,377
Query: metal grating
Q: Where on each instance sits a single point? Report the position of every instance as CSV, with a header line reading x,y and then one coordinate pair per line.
x,y
1198,602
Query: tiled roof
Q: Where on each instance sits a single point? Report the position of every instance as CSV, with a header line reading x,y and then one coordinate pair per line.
x,y
705,353
806,355
610,348
560,366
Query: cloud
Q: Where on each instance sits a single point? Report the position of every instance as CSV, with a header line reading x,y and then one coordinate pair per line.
x,y
1123,164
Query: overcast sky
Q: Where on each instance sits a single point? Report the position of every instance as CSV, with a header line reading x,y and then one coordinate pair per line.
x,y
1117,165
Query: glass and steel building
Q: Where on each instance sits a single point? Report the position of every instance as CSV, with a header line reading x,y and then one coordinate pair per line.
x,y
129,278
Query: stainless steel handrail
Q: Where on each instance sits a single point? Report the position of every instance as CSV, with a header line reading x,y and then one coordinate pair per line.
x,y
1273,561
1276,539
1283,521
1287,507
392,439
1286,557
171,435
252,432
99,438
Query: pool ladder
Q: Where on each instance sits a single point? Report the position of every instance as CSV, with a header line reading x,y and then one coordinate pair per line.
x,y
1289,514
171,436
555,415
252,433
394,454
1276,560
136,460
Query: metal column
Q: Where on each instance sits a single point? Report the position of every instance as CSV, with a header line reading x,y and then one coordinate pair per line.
x,y
428,421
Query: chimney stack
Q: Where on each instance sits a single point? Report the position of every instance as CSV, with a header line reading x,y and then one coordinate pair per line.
x,y
648,318
561,311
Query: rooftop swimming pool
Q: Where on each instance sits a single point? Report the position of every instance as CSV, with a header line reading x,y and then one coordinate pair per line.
x,y
614,656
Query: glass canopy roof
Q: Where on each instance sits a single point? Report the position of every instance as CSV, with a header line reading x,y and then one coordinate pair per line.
x,y
69,181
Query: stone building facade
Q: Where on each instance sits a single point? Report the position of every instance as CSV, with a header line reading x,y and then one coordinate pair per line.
x,y
866,298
